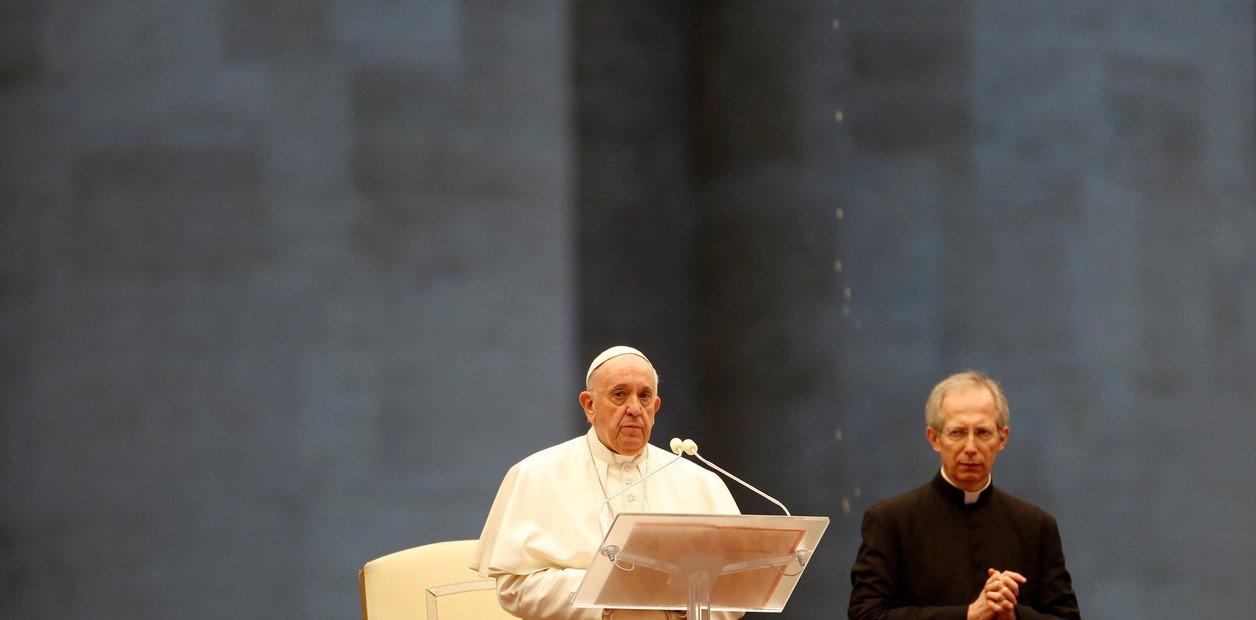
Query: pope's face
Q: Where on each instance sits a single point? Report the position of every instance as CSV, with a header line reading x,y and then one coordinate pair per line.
x,y
622,402
970,438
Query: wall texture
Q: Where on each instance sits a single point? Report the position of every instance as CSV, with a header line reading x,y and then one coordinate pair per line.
x,y
288,286
269,271
1066,199
1063,199
636,215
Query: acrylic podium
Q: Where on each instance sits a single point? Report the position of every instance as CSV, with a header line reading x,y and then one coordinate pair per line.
x,y
700,563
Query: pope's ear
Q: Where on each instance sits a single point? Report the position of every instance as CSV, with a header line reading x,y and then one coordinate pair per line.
x,y
586,403
658,402
932,435
1003,435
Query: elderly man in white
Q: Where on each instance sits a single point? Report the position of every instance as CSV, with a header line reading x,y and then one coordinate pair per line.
x,y
548,517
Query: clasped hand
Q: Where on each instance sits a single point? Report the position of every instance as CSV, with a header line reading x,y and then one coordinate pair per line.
x,y
997,598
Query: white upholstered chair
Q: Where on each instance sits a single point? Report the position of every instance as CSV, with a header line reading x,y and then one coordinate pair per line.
x,y
431,582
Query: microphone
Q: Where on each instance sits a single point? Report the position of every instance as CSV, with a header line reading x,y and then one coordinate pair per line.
x,y
687,446
690,444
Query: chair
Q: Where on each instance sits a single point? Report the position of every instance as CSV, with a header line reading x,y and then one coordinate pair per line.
x,y
431,582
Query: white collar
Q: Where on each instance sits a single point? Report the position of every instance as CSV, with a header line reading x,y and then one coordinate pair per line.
x,y
604,454
970,497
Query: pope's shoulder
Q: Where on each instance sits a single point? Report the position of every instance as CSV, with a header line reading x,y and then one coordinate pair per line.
x,y
566,450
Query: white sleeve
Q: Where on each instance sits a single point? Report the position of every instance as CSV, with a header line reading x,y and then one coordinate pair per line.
x,y
547,594
543,595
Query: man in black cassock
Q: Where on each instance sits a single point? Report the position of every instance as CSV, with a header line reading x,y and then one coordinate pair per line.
x,y
958,547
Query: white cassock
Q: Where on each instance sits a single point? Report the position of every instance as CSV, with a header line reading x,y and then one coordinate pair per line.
x,y
543,529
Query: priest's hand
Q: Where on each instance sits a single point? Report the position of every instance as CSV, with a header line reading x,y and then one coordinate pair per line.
x,y
1000,592
997,599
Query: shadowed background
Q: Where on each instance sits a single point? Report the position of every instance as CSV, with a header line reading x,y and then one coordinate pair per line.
x,y
286,286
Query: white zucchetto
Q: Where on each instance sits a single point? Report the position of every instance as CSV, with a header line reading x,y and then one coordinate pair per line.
x,y
614,351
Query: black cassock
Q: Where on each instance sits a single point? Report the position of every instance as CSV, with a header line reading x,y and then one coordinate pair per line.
x,y
925,555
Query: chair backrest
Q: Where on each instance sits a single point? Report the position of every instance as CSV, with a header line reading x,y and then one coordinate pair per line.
x,y
431,582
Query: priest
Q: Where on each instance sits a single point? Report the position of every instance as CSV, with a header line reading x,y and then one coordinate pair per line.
x,y
551,511
958,547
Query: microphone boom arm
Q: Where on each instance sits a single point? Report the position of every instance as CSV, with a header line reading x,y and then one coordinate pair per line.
x,y
743,483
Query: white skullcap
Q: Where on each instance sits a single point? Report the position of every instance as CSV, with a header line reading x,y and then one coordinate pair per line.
x,y
614,351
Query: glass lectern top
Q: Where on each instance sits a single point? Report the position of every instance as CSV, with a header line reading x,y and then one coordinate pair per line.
x,y
648,561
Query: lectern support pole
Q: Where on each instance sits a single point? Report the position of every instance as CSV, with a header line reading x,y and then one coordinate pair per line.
x,y
698,596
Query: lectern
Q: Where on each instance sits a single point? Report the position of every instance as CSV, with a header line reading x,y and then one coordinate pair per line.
x,y
700,563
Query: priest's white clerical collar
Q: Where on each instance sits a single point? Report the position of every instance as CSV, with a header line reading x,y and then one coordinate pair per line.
x,y
970,497
604,454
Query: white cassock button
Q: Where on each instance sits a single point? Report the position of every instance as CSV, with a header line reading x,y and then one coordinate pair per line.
x,y
632,498
629,481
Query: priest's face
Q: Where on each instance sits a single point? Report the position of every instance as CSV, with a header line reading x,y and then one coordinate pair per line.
x,y
621,403
970,438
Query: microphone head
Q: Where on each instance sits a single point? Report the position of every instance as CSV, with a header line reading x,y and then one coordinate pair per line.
x,y
689,446
677,445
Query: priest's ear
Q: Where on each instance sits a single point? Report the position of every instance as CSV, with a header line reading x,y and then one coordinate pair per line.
x,y
586,403
935,439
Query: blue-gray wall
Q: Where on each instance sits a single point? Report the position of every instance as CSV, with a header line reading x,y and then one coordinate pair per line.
x,y
285,286
1063,195
270,272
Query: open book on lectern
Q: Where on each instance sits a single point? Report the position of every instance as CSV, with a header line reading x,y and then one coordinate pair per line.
x,y
692,562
